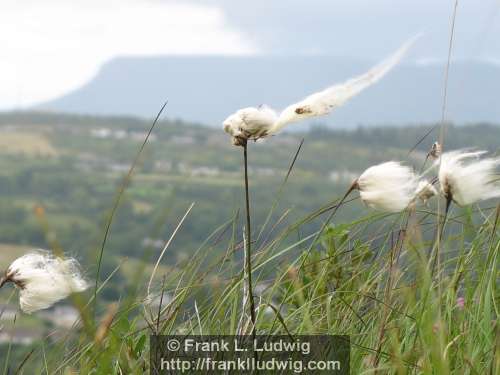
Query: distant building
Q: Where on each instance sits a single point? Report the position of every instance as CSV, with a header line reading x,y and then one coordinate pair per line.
x,y
63,316
119,167
204,171
19,336
182,140
198,171
267,172
153,242
104,133
101,133
163,165
343,176
141,136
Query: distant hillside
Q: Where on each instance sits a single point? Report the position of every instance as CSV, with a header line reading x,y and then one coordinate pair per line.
x,y
207,89
73,165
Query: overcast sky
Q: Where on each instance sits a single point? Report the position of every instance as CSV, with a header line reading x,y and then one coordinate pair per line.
x,y
48,47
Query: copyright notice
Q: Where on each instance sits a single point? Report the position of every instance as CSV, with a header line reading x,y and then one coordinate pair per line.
x,y
315,354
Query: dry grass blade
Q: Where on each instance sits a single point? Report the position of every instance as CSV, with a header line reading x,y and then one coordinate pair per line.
x,y
445,90
495,225
166,247
103,329
18,371
121,190
280,190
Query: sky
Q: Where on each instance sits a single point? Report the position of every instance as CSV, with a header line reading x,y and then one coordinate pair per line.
x,y
50,47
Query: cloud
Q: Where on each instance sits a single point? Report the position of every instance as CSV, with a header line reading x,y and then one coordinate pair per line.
x,y
52,46
48,47
366,28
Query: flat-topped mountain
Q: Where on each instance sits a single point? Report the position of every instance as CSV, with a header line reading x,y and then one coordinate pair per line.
x,y
207,89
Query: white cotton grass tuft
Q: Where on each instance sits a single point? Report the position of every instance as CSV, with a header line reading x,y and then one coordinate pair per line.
x,y
260,122
43,279
389,186
465,178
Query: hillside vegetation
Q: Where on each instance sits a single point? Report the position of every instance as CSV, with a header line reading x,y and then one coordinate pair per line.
x,y
367,276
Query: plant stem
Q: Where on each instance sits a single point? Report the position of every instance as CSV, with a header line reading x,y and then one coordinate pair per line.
x,y
124,185
248,246
353,187
440,232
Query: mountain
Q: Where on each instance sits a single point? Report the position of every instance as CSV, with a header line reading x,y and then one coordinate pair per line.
x,y
207,89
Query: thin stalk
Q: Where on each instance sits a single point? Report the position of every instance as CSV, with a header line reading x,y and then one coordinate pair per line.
x,y
394,257
121,191
248,247
440,231
443,109
434,261
167,244
425,162
157,332
278,195
353,187
445,91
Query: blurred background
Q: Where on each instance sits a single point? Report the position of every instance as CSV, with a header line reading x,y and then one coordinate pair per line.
x,y
80,82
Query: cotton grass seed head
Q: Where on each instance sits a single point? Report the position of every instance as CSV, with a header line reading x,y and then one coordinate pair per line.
x,y
43,279
389,186
425,191
435,151
465,178
261,122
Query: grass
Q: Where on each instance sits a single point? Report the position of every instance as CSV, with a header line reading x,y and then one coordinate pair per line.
x,y
413,323
369,278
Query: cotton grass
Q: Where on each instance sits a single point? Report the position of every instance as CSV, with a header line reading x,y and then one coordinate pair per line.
x,y
389,186
43,279
260,122
465,178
